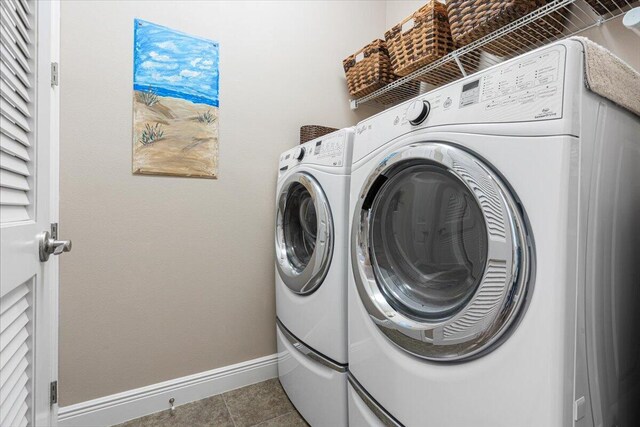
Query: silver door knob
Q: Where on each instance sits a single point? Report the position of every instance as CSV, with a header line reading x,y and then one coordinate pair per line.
x,y
50,246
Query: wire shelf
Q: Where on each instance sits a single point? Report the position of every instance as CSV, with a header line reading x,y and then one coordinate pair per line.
x,y
554,21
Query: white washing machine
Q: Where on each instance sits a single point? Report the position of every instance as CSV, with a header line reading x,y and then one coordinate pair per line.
x,y
311,276
493,268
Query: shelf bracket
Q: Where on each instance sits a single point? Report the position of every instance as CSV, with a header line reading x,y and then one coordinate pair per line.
x,y
353,104
464,73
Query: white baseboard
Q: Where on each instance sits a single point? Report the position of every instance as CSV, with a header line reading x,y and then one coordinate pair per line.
x,y
121,407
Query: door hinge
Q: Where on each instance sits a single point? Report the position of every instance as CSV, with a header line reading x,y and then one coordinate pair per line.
x,y
53,393
54,74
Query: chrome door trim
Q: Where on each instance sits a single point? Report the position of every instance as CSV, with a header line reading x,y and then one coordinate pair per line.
x,y
385,417
310,278
308,351
497,302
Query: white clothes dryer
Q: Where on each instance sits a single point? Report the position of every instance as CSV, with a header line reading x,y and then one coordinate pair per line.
x,y
494,227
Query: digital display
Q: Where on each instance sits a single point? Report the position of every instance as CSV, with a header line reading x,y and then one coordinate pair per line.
x,y
470,93
317,149
472,85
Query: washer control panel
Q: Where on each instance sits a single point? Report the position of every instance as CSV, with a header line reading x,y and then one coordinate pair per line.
x,y
327,151
331,149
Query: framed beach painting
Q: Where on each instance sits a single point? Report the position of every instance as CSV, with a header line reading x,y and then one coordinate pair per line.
x,y
175,103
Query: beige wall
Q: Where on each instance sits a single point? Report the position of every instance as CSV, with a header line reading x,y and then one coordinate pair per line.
x,y
173,276
618,39
397,10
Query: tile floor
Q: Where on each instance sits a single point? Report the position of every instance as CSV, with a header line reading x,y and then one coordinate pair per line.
x,y
261,405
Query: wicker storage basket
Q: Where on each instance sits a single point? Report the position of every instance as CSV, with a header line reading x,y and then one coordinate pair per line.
x,y
605,6
368,69
309,132
419,40
471,20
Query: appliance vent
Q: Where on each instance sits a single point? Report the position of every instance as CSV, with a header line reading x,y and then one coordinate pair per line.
x,y
481,309
488,197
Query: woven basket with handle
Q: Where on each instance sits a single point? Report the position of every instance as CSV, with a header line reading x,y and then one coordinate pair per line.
x,y
420,39
471,20
309,132
368,69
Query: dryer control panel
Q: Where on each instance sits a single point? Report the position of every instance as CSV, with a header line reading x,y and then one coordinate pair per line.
x,y
331,150
528,88
536,91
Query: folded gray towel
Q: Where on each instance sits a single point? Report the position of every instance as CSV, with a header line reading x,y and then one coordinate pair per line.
x,y
610,77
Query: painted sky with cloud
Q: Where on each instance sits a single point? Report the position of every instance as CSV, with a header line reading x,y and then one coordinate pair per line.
x,y
174,63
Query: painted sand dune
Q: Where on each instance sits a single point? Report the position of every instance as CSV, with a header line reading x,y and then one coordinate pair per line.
x,y
175,103
187,144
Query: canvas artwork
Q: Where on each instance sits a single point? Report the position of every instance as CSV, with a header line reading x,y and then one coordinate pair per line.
x,y
175,103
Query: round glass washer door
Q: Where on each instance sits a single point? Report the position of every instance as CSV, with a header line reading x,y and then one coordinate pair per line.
x,y
428,242
440,252
304,234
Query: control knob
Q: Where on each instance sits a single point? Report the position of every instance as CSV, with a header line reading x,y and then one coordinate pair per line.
x,y
298,154
418,111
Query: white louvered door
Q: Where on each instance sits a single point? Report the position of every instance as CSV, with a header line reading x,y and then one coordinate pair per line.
x,y
28,205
